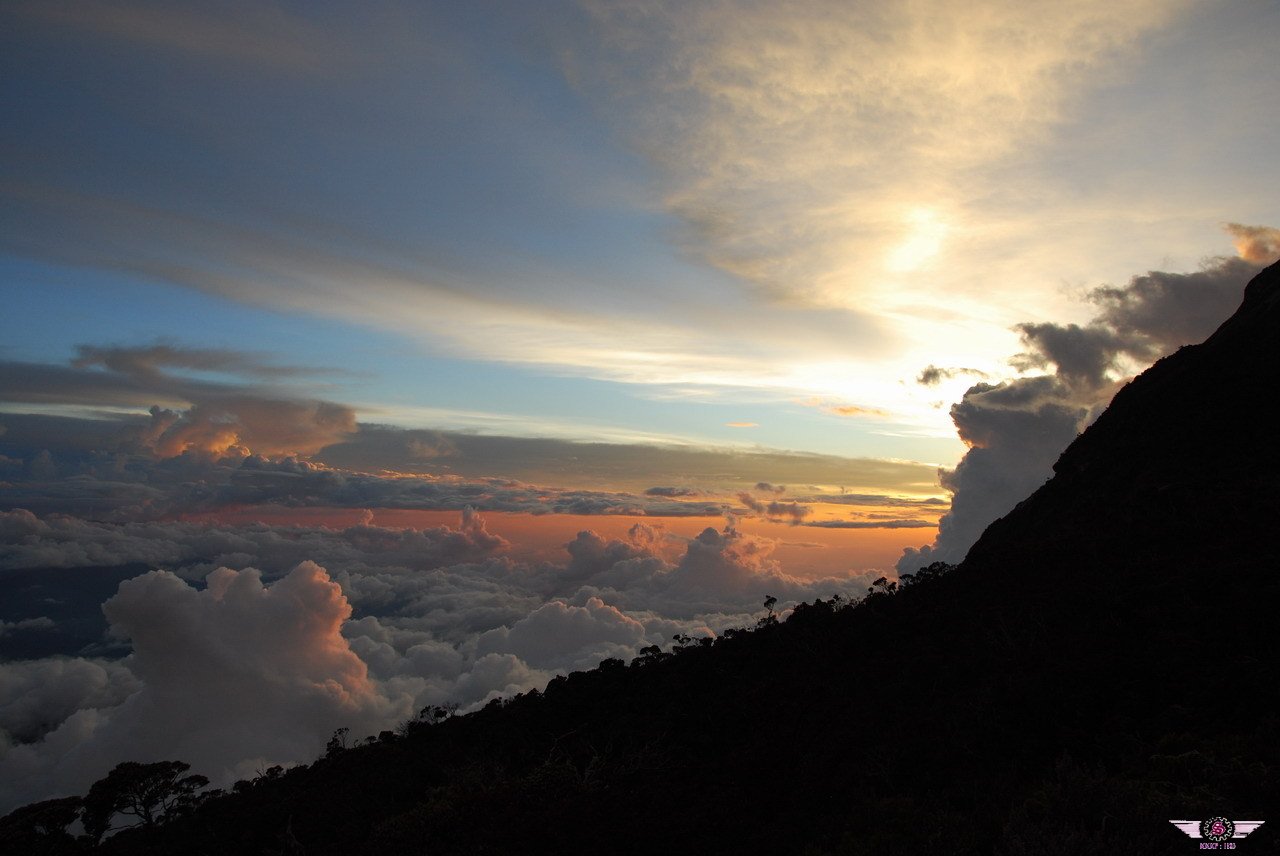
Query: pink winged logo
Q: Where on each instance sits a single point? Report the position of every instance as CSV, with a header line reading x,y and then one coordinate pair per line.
x,y
1217,828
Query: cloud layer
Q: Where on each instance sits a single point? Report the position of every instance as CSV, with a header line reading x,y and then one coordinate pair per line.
x,y
254,643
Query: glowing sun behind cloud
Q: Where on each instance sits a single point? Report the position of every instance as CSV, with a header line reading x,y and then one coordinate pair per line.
x,y
926,232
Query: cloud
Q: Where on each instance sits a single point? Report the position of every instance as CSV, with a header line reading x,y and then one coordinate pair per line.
x,y
148,361
559,636
65,542
592,556
672,492
837,409
932,375
1162,311
792,512
766,487
36,695
244,33
1081,355
926,504
209,417
1259,245
871,524
108,467
1015,430
259,662
811,146
38,623
297,265
247,425
231,676
741,425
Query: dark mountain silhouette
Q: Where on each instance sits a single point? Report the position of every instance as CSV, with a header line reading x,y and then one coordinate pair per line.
x,y
1105,660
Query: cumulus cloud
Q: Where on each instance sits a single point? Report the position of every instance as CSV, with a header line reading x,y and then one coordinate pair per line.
x,y
248,424
1016,429
592,555
1161,311
1082,355
559,636
1259,245
37,695
719,581
232,676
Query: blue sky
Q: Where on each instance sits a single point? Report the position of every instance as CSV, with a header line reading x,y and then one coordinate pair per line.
x,y
607,220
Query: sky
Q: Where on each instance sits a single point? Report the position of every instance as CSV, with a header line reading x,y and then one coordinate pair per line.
x,y
495,338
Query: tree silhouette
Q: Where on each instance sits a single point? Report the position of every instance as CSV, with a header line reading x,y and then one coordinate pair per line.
x,y
40,827
153,793
883,586
337,742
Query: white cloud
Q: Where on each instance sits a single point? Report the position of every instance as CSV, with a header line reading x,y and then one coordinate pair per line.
x,y
817,147
559,636
243,673
232,673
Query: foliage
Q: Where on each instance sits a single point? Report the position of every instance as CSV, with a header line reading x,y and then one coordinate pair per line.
x,y
151,793
41,828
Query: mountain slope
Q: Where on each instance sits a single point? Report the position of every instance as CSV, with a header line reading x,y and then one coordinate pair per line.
x,y
1183,464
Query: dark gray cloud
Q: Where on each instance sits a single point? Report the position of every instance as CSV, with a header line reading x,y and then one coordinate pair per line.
x,y
1161,311
791,512
672,492
148,361
876,499
932,375
1081,355
870,524
637,467
96,470
62,541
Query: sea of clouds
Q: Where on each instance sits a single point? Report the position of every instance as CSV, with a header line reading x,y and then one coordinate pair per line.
x,y
249,645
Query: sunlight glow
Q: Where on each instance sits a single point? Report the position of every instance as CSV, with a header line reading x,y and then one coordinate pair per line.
x,y
924,239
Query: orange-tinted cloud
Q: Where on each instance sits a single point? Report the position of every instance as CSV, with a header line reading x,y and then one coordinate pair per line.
x,y
246,425
1257,244
837,409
